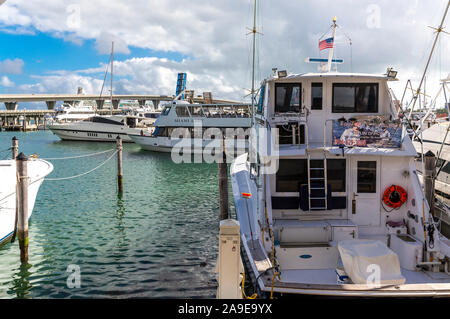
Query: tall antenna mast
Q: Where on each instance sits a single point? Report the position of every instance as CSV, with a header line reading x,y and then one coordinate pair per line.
x,y
112,72
253,64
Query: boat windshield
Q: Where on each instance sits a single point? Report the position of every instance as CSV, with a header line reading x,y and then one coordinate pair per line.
x,y
166,110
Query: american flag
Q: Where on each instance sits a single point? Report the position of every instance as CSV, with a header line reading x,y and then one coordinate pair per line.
x,y
326,44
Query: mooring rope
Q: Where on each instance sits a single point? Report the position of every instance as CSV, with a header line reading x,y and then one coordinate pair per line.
x,y
85,173
77,156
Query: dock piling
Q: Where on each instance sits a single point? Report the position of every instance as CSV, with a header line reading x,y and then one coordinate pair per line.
x,y
223,186
22,201
14,147
119,164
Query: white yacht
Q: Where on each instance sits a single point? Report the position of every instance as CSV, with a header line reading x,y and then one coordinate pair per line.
x,y
339,211
345,196
77,111
38,169
101,128
196,127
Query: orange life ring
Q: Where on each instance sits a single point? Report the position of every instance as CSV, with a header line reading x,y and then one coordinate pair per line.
x,y
395,196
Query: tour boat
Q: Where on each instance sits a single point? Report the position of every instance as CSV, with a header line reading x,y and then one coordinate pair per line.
x,y
194,128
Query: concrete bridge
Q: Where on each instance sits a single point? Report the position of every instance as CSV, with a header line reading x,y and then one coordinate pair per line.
x,y
12,100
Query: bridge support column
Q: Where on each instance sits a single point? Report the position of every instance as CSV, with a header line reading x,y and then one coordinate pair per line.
x,y
11,106
100,103
141,103
115,103
50,105
155,104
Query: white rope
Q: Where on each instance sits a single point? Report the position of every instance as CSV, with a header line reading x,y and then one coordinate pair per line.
x,y
77,156
85,173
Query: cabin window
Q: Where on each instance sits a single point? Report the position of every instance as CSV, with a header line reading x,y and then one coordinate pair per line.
x,y
316,96
355,97
166,110
291,174
291,134
182,111
367,177
261,99
195,111
336,174
287,97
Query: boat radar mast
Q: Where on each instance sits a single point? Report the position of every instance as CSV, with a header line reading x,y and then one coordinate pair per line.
x,y
328,43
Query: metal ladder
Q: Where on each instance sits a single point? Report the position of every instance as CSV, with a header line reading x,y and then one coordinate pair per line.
x,y
317,183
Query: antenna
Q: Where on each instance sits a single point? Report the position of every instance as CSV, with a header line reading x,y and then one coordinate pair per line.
x,y
112,63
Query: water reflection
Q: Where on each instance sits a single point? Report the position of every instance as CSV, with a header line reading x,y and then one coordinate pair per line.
x,y
21,285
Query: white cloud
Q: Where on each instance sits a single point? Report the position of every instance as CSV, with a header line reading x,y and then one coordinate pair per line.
x,y
212,37
11,66
6,82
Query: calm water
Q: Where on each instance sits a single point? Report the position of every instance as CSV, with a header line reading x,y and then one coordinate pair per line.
x,y
158,240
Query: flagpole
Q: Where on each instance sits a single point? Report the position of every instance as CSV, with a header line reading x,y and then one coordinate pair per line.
x,y
330,53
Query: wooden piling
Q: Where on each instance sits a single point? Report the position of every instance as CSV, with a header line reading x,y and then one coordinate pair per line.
x,y
14,147
22,200
14,152
119,164
428,178
223,186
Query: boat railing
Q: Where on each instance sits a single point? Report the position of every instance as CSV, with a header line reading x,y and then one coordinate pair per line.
x,y
213,110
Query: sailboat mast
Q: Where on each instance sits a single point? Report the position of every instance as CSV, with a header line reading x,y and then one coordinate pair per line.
x,y
438,31
112,72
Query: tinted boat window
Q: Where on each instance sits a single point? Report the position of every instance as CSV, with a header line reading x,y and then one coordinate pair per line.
x,y
291,174
336,174
316,96
287,97
367,177
182,111
355,97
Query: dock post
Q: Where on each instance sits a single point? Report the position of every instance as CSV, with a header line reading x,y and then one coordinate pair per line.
x,y
229,264
119,164
428,179
223,185
22,201
14,147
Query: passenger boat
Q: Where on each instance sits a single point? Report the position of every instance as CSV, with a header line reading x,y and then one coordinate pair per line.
x,y
192,128
339,210
37,169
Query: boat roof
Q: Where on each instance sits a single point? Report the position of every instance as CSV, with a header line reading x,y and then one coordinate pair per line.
x,y
300,76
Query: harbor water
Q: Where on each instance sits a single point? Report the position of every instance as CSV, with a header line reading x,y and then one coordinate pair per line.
x,y
158,241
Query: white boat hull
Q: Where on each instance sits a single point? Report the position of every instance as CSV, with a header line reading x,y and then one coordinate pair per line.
x,y
37,170
83,131
188,146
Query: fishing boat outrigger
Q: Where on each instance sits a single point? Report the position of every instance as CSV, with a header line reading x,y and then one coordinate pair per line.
x,y
332,204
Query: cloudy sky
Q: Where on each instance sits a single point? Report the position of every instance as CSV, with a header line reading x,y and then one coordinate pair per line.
x,y
54,46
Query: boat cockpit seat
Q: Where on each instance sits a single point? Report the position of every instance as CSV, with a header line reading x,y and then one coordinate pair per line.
x,y
370,262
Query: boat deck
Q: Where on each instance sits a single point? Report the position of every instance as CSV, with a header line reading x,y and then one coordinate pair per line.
x,y
324,281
